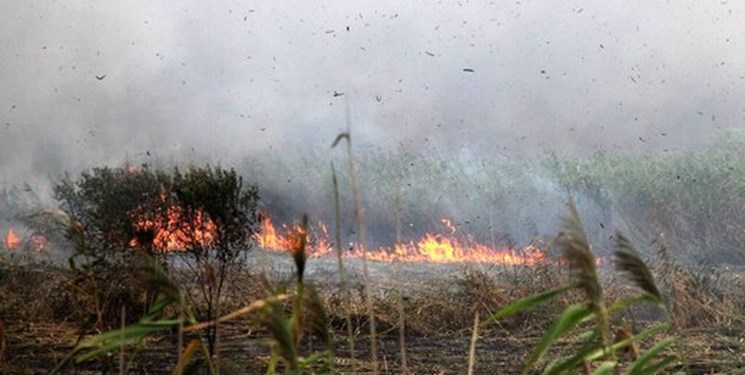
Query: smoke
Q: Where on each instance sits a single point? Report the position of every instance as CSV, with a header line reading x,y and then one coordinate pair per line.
x,y
89,83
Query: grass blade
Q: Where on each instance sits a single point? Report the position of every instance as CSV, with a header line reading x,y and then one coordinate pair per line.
x,y
625,303
185,357
112,340
659,366
606,368
525,303
638,365
561,366
568,319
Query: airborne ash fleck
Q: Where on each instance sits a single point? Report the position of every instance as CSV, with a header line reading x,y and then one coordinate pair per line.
x,y
178,77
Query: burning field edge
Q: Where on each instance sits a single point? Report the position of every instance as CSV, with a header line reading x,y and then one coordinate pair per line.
x,y
427,291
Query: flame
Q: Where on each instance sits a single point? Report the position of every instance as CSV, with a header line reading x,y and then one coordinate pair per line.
x,y
268,238
435,248
36,241
177,232
12,241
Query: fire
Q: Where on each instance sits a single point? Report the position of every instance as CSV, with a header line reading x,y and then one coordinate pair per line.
x,y
12,241
435,248
269,238
36,241
176,232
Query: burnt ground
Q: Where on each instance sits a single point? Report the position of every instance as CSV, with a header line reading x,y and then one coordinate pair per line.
x,y
245,352
39,346
34,347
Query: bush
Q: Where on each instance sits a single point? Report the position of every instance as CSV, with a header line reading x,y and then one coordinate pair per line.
x,y
206,215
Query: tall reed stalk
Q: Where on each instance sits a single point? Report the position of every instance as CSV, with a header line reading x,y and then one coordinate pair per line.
x,y
400,296
340,263
361,239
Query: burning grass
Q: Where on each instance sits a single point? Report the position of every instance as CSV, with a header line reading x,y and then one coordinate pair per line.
x,y
451,247
694,197
174,233
12,241
424,290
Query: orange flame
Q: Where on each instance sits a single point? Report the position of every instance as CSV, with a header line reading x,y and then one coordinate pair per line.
x,y
12,241
176,232
268,238
436,248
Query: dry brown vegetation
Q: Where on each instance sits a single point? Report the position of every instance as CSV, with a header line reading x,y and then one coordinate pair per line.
x,y
110,310
439,302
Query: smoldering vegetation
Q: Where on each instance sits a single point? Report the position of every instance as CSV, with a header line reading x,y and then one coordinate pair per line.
x,y
689,200
481,113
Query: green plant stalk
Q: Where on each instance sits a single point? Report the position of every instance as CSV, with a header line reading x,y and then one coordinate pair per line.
x,y
179,369
78,233
400,295
603,324
340,263
590,351
472,348
361,243
121,347
569,319
360,238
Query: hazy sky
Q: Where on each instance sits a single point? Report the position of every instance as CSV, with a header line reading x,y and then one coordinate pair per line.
x,y
219,80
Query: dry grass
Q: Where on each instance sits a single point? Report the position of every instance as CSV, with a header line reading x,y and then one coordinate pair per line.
x,y
439,313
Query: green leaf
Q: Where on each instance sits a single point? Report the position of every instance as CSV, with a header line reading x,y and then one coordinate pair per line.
x,y
650,331
659,366
525,303
155,278
600,351
645,358
606,368
591,351
113,340
597,352
587,335
312,360
624,303
569,363
568,319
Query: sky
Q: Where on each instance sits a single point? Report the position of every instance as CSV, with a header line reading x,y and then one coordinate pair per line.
x,y
89,83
